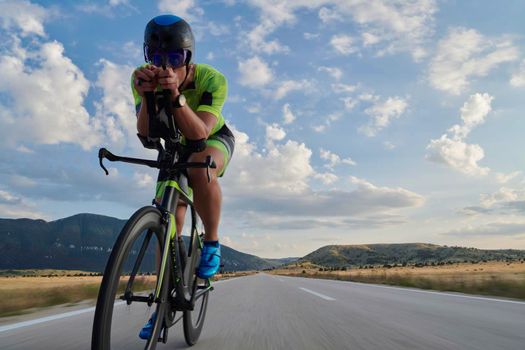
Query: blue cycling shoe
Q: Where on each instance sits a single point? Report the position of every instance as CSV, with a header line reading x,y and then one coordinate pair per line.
x,y
146,331
210,259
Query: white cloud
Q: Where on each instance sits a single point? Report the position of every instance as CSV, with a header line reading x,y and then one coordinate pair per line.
x,y
490,229
334,72
24,149
118,2
116,110
45,112
283,169
319,128
334,159
518,78
385,196
389,145
349,103
22,181
381,113
254,72
288,115
503,178
343,88
402,26
6,197
503,195
311,36
475,110
275,132
327,122
326,178
14,206
278,181
464,54
450,149
288,86
328,15
143,180
216,29
457,154
273,15
27,18
256,108
343,44
370,39
186,9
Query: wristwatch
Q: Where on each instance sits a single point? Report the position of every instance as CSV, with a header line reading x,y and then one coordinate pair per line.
x,y
180,101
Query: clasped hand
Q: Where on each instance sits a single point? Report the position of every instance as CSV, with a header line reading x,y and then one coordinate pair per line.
x,y
149,77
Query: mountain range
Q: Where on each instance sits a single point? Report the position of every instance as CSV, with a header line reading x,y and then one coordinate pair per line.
x,y
404,254
84,242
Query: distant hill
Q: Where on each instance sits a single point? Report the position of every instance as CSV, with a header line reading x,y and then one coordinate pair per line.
x,y
83,242
409,253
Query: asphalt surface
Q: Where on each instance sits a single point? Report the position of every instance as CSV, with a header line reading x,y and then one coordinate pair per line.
x,y
274,312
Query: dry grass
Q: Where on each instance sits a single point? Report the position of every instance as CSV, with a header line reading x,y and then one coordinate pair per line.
x,y
491,278
20,295
23,294
228,275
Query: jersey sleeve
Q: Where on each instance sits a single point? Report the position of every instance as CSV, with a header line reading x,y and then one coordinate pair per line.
x,y
214,95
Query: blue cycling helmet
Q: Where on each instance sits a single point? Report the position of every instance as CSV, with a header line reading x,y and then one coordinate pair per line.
x,y
168,33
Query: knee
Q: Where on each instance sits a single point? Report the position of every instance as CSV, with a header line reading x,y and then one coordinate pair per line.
x,y
199,176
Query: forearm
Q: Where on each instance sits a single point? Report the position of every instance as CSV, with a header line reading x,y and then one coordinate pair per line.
x,y
143,119
189,123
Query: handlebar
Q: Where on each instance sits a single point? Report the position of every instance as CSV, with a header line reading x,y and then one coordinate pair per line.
x,y
104,153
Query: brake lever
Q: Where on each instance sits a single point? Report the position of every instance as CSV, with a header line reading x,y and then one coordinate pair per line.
x,y
210,163
101,154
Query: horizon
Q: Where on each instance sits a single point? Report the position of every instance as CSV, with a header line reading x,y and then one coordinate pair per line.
x,y
384,122
292,257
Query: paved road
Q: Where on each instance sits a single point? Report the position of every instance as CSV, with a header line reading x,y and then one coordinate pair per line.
x,y
274,312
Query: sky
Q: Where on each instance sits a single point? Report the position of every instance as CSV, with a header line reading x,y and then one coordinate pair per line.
x,y
356,122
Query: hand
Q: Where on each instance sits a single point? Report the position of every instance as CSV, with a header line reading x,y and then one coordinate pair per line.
x,y
145,79
169,80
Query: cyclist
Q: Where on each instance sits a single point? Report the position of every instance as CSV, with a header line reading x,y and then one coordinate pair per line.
x,y
198,93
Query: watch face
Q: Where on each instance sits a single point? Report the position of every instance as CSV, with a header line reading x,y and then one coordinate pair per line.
x,y
182,100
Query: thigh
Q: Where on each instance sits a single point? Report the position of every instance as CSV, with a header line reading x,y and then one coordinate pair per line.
x,y
217,156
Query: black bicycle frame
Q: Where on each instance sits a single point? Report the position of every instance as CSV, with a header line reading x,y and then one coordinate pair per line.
x,y
175,188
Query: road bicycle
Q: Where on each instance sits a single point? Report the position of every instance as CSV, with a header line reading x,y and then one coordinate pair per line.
x,y
134,279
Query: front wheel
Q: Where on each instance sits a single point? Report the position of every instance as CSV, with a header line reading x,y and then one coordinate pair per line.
x,y
131,272
193,320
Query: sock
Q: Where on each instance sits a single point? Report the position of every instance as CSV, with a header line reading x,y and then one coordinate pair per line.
x,y
212,243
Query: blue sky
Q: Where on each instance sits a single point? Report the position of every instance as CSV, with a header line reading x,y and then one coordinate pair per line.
x,y
356,121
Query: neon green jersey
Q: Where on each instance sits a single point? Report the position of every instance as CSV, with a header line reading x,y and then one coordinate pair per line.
x,y
207,93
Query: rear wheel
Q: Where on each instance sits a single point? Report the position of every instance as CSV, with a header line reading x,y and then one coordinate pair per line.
x,y
132,271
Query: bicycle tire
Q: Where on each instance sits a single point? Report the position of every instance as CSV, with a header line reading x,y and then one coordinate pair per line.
x,y
145,219
193,330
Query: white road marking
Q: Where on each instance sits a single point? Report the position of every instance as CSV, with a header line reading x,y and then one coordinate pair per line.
x,y
50,318
318,294
66,314
444,293
408,289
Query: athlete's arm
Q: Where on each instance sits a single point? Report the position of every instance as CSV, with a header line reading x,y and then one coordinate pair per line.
x,y
143,79
193,125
